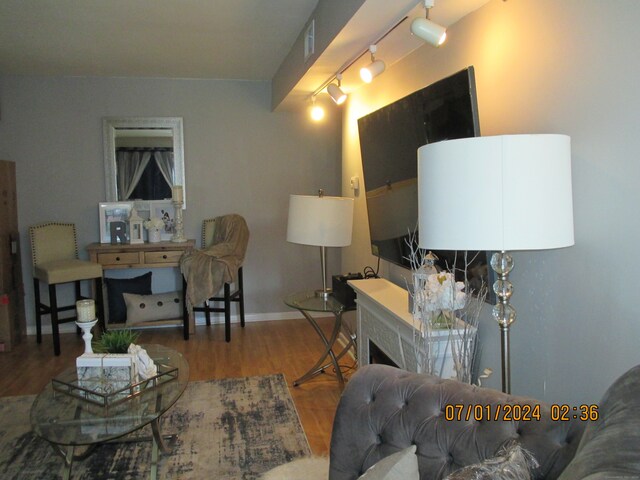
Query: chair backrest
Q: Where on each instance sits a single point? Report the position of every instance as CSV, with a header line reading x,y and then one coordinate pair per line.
x,y
53,241
208,229
231,229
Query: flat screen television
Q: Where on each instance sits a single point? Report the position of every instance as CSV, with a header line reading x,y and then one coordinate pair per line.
x,y
389,140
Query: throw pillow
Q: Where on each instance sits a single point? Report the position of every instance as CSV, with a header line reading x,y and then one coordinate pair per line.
x,y
144,308
511,463
117,286
308,468
402,465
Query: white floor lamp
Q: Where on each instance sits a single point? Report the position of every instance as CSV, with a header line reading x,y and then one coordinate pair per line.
x,y
320,221
502,193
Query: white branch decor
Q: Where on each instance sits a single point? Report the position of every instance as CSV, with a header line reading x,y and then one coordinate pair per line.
x,y
439,302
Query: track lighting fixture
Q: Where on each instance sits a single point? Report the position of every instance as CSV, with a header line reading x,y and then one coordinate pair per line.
x,y
317,112
375,68
427,30
335,92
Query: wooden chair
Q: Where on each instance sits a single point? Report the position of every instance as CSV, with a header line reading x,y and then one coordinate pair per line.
x,y
54,252
211,233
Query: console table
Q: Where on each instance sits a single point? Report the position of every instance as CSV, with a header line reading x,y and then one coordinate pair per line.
x,y
144,255
384,320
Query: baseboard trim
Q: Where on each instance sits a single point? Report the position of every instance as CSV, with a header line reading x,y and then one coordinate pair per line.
x,y
216,318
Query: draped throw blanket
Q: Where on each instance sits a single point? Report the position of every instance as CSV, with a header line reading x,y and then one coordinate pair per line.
x,y
207,270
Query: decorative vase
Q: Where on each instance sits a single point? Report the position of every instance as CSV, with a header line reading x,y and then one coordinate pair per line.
x,y
154,235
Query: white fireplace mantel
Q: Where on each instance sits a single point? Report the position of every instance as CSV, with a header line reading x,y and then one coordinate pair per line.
x,y
384,319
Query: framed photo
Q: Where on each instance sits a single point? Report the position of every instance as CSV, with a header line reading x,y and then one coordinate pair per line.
x,y
164,210
114,216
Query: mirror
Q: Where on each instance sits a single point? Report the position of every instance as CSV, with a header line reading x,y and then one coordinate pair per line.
x,y
143,157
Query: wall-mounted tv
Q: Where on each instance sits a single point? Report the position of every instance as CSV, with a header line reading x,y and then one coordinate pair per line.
x,y
389,140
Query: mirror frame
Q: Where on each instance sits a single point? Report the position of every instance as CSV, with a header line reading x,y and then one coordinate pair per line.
x,y
109,127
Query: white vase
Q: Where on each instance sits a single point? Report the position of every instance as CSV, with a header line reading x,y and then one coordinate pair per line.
x,y
154,235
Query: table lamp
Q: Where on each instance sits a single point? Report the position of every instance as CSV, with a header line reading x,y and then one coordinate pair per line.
x,y
320,221
501,193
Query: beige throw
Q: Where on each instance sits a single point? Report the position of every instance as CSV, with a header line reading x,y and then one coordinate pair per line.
x,y
207,270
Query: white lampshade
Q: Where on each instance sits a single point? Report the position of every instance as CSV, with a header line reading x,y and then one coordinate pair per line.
x,y
509,192
320,221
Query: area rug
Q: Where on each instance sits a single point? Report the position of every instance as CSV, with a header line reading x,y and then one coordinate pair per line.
x,y
227,429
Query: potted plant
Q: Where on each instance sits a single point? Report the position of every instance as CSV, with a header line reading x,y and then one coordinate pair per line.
x,y
115,341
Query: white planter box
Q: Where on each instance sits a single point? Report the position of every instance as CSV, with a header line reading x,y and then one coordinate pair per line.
x,y
106,367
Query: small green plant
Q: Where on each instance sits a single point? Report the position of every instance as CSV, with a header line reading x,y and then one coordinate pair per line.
x,y
115,341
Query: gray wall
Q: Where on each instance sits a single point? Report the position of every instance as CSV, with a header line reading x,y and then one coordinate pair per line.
x,y
239,157
545,66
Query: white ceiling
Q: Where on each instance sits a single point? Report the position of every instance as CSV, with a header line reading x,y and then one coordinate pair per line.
x,y
222,39
215,39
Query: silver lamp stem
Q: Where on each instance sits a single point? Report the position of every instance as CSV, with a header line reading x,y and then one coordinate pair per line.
x,y
323,262
503,312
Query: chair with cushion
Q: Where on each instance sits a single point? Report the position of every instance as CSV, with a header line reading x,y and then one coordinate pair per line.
x,y
213,269
54,252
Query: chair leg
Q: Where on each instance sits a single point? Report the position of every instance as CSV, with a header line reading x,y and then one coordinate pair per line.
x,y
207,313
241,296
76,286
102,322
185,312
36,294
227,312
53,305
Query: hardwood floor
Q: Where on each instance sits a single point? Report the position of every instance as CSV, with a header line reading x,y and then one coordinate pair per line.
x,y
261,348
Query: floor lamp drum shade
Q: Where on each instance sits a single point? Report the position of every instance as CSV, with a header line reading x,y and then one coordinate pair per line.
x,y
504,193
320,221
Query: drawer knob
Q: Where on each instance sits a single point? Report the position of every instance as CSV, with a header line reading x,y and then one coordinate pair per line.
x,y
117,259
164,256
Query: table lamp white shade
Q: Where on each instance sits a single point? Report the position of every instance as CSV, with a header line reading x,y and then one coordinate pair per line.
x,y
508,192
320,221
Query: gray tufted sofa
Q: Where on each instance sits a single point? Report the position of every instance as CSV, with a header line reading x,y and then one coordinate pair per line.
x,y
384,410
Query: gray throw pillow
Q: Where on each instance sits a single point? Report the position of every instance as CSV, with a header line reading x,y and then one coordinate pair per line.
x,y
402,465
511,463
159,306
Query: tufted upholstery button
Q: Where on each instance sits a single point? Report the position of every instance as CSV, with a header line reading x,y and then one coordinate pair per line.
x,y
378,440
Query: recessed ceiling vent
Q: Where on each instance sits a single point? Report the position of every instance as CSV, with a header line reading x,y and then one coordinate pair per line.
x,y
310,40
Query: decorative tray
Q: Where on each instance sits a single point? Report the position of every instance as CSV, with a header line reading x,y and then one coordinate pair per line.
x,y
107,393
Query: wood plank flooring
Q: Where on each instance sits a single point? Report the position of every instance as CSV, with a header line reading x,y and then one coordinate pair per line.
x,y
290,347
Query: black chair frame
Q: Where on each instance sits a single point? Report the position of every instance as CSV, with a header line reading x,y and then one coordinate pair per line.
x,y
236,296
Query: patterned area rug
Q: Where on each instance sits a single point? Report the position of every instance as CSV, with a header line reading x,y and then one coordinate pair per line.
x,y
227,429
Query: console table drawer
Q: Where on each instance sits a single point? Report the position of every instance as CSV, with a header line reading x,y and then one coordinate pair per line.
x,y
167,256
120,258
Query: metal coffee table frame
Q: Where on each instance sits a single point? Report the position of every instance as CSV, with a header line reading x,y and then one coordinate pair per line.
x,y
69,423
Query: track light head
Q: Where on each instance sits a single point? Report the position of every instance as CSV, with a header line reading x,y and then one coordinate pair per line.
x,y
317,112
375,68
336,93
427,30
371,71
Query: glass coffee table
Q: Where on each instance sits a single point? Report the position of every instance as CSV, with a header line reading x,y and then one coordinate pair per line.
x,y
70,423
307,302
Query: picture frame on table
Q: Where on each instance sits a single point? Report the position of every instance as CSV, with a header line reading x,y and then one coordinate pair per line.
x,y
165,210
113,216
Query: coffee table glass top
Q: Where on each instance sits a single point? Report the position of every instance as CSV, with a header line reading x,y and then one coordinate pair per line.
x,y
312,302
66,420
